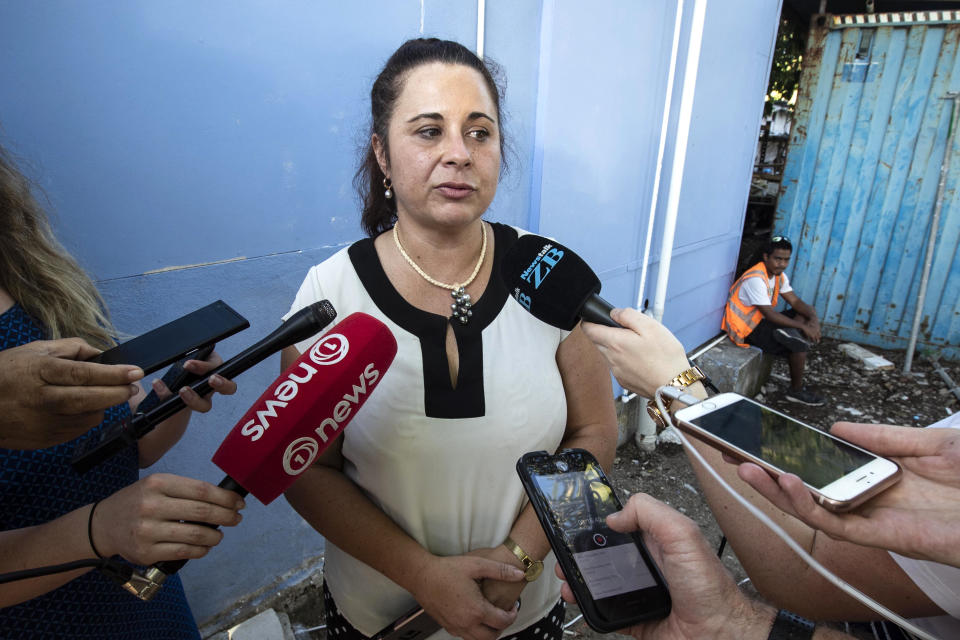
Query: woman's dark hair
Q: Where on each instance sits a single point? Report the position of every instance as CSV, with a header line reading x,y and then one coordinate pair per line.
x,y
379,213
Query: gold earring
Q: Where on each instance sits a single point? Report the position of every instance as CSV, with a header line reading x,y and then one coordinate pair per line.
x,y
388,188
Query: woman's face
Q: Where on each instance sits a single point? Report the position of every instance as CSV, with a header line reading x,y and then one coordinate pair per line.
x,y
444,142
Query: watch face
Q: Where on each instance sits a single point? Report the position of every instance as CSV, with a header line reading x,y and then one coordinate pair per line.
x,y
534,570
655,415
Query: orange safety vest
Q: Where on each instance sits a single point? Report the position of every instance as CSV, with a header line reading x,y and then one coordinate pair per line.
x,y
740,319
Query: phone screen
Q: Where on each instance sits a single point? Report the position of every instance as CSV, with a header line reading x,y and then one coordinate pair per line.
x,y
815,457
174,340
580,502
611,574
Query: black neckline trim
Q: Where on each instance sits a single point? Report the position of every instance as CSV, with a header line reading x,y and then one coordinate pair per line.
x,y
441,399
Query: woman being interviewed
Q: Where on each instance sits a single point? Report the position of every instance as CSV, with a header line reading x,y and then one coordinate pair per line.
x,y
419,497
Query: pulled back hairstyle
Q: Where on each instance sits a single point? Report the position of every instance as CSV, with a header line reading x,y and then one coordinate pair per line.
x,y
379,213
38,272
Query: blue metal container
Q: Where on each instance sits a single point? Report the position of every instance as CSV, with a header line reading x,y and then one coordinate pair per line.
x,y
860,181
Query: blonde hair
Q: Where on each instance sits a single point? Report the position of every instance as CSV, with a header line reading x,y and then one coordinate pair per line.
x,y
38,272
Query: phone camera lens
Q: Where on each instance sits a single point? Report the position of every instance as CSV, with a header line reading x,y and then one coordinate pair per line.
x,y
562,466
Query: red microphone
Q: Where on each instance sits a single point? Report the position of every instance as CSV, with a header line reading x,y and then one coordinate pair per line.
x,y
307,407
295,419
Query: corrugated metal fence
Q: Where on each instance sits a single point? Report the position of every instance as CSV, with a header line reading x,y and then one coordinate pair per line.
x,y
861,178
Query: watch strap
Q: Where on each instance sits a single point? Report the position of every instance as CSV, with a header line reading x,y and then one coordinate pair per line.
x,y
687,377
790,626
681,381
530,566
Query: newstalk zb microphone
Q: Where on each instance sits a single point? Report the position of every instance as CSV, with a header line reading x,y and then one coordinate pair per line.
x,y
296,419
554,283
116,437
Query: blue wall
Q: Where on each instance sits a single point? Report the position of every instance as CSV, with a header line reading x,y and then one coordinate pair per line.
x,y
861,180
194,151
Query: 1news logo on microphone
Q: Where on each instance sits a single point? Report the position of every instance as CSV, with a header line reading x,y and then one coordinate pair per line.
x,y
299,455
330,349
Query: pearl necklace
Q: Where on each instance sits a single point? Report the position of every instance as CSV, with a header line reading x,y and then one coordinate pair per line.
x,y
461,299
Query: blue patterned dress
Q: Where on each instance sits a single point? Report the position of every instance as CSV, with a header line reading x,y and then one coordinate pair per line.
x,y
39,486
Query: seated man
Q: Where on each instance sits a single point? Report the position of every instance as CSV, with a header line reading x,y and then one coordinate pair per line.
x,y
751,318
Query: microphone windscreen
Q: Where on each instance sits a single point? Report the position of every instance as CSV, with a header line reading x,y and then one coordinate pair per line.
x,y
548,279
307,406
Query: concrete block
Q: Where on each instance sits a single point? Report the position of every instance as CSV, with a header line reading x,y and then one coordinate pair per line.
x,y
870,360
266,625
733,368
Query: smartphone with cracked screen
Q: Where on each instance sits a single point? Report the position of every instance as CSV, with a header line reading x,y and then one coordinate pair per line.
x,y
613,578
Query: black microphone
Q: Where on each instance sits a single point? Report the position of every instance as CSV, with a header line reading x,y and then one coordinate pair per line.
x,y
118,436
554,283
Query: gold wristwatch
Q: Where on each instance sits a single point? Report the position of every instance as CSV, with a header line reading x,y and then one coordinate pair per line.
x,y
683,380
531,568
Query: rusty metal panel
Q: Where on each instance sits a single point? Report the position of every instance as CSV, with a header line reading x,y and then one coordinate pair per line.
x,y
861,178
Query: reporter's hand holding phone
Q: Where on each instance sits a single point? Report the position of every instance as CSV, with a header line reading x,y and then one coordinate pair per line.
x,y
153,445
706,602
450,593
198,368
48,395
919,517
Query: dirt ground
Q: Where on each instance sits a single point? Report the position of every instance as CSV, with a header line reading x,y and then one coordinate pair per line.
x,y
852,393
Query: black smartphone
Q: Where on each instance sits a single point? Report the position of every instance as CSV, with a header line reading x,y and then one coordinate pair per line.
x,y
415,624
178,339
612,576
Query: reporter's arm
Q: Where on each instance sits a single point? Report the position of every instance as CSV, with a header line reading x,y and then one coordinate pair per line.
x,y
643,357
784,578
918,517
705,601
141,523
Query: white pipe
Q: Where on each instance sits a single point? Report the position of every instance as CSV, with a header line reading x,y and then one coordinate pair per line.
x,y
934,227
481,23
664,125
712,344
679,155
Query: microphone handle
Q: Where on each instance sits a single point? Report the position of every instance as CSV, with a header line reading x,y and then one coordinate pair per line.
x,y
156,575
597,310
300,326
116,437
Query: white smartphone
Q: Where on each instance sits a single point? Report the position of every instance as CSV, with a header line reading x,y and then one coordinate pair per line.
x,y
840,475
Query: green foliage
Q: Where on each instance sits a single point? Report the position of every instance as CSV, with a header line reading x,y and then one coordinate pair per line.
x,y
787,58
